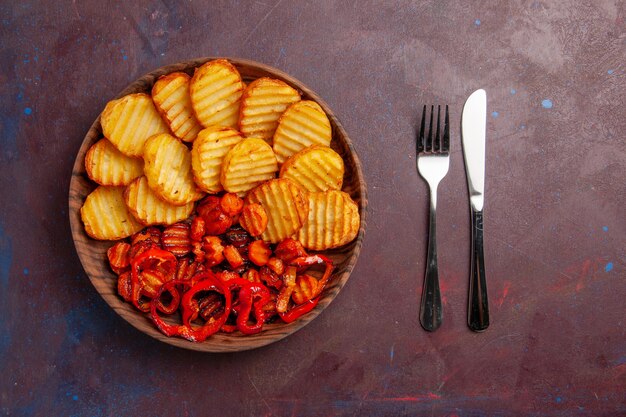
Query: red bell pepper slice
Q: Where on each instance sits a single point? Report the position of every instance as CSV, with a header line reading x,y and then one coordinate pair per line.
x,y
252,298
296,312
301,262
186,330
312,260
161,265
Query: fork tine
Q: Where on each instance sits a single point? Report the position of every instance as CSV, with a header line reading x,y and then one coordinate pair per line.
x,y
437,141
429,140
446,133
420,138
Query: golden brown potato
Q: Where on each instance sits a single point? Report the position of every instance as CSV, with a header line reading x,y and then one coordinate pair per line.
x,y
248,164
215,91
303,124
108,166
316,168
286,207
128,122
333,221
105,215
262,103
171,98
168,170
149,209
207,155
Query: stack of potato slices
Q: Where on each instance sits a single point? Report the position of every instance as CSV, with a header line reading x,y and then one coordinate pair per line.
x,y
209,133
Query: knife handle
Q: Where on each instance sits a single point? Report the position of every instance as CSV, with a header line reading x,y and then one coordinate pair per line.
x,y
478,305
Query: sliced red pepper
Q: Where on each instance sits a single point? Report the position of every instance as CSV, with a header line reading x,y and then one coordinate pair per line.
x,y
304,308
195,280
185,330
191,310
296,312
228,328
252,298
270,278
312,260
166,328
160,267
289,277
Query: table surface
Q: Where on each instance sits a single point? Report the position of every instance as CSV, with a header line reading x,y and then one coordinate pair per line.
x,y
554,216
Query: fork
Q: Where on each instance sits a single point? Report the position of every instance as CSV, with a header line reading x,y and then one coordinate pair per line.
x,y
433,160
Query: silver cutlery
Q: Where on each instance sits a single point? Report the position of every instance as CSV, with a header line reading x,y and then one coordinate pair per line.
x,y
433,160
473,129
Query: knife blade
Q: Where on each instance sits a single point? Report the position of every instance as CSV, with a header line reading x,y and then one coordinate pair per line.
x,y
473,133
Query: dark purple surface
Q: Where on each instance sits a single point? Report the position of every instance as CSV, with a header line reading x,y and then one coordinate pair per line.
x,y
554,217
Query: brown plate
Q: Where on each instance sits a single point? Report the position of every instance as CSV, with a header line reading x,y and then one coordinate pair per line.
x,y
92,253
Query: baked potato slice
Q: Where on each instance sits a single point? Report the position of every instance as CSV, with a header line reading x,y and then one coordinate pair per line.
x,y
248,164
316,168
128,122
171,97
105,215
262,104
167,166
106,165
286,206
215,91
207,156
333,220
146,206
303,124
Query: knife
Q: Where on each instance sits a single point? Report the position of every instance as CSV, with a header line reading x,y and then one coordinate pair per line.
x,y
473,129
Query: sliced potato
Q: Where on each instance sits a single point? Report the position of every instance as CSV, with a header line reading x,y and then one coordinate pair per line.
x,y
171,98
215,91
303,124
168,170
333,221
108,166
316,168
128,122
149,209
248,164
105,215
207,155
262,103
285,204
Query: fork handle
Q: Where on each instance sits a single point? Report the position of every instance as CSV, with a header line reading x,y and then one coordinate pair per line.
x,y
478,305
430,309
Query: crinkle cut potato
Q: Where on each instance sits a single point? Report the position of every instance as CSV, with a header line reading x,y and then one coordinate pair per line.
x,y
146,206
167,166
105,215
333,220
316,168
207,156
286,206
171,98
262,104
303,124
129,121
216,88
248,164
106,165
